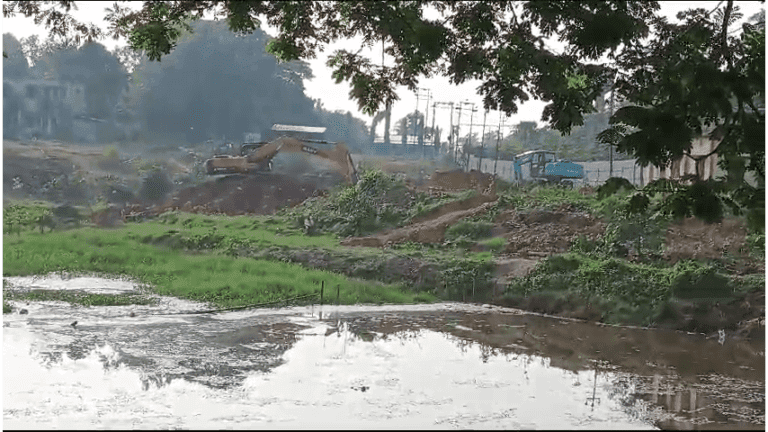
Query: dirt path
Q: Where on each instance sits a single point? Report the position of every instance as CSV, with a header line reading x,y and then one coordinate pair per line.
x,y
430,228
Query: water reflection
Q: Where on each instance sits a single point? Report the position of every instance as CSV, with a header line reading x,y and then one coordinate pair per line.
x,y
369,367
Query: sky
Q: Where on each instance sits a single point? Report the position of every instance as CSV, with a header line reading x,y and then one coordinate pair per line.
x,y
336,96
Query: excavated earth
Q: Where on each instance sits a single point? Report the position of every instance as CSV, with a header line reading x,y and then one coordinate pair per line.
x,y
236,195
540,233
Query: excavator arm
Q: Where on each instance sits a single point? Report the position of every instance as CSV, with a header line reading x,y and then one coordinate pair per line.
x,y
339,155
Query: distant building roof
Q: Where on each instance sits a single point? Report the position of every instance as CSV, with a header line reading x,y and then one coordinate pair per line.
x,y
292,128
534,151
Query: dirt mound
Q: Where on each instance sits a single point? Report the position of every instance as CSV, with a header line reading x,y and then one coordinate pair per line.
x,y
540,233
235,195
458,180
112,216
694,238
429,228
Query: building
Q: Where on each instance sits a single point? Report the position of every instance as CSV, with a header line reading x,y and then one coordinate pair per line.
x,y
40,108
686,165
50,109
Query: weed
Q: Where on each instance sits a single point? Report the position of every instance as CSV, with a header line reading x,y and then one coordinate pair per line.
x,y
629,292
468,230
755,244
495,244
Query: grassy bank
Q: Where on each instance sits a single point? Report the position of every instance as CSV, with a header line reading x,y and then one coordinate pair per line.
x,y
231,261
623,278
618,291
222,280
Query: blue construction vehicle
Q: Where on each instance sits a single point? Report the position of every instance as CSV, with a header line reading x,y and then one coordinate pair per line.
x,y
540,166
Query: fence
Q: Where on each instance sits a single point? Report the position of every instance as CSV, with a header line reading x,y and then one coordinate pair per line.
x,y
595,173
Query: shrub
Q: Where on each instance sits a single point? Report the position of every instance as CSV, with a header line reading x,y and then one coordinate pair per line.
x,y
469,230
613,186
156,186
495,244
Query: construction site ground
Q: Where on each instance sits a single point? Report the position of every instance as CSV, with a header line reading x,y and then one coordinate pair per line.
x,y
76,175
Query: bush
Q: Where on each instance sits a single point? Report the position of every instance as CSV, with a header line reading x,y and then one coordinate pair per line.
x,y
468,230
695,280
629,292
495,244
640,234
613,186
156,186
110,158
611,281
463,275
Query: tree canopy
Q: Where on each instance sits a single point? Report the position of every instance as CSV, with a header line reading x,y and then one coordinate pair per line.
x,y
677,81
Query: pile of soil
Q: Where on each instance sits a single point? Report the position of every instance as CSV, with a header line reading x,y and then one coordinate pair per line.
x,y
236,195
693,238
541,233
458,180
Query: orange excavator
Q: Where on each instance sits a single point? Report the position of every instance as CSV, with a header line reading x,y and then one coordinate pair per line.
x,y
258,157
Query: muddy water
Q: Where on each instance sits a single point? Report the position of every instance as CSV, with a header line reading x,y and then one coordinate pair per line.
x,y
427,366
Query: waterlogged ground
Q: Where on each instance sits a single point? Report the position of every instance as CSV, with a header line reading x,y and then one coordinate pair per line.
x,y
428,366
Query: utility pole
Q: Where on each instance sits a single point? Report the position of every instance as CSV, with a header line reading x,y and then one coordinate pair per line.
x,y
442,105
434,132
469,146
419,128
458,136
498,139
610,146
482,144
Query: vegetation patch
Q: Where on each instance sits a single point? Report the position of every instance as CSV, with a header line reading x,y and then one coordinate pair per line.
x,y
80,298
621,291
495,244
469,230
222,280
377,202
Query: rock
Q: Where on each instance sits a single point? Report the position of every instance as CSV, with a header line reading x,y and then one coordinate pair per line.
x,y
23,312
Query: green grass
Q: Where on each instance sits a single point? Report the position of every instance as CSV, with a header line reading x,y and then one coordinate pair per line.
x,y
178,230
80,298
495,244
219,279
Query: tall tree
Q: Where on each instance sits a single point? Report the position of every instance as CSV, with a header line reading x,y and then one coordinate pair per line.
x,y
14,62
216,84
695,80
98,69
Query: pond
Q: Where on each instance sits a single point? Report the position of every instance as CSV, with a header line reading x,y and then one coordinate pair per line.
x,y
446,365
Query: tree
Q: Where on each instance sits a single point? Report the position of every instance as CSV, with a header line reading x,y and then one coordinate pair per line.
x,y
98,69
697,80
14,62
497,42
216,84
679,80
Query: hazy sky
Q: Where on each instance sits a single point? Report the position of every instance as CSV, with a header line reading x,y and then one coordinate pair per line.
x,y
335,96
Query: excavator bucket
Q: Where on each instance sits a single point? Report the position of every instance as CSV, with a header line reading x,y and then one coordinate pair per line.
x,y
259,159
